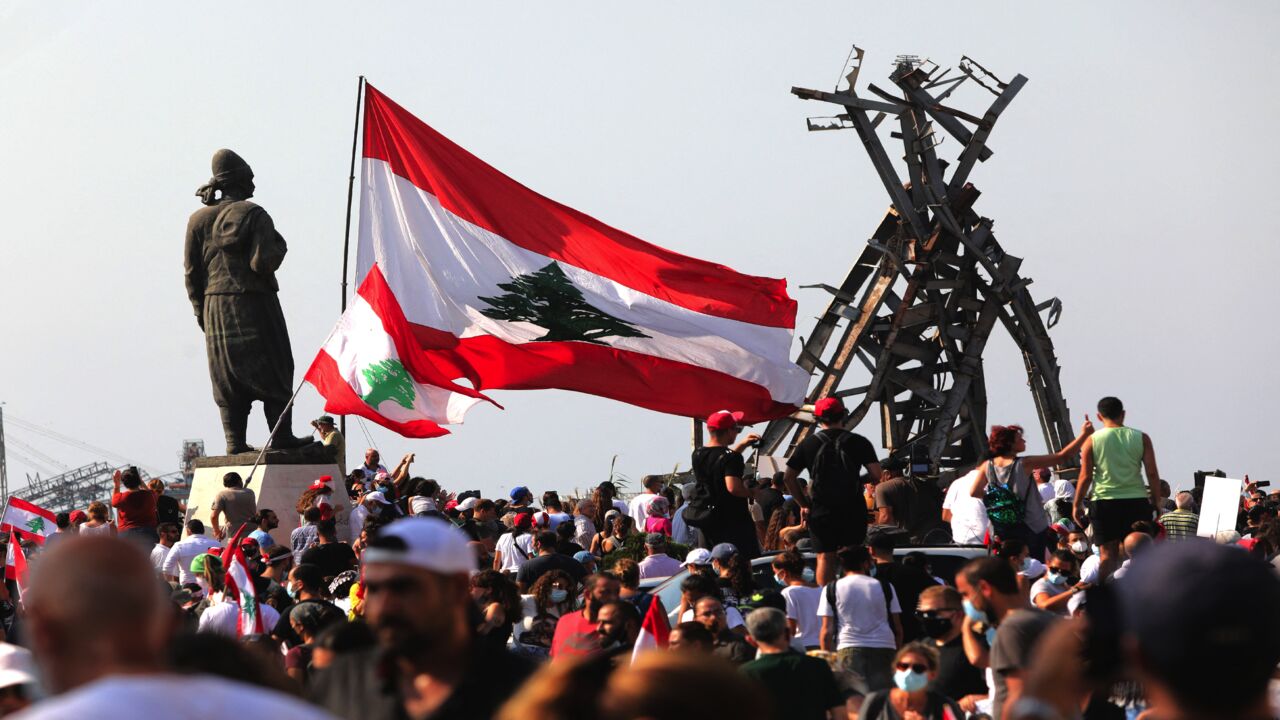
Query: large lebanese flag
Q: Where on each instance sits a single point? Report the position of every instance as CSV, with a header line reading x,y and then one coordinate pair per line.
x,y
504,288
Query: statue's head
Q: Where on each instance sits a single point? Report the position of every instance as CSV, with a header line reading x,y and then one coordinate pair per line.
x,y
232,176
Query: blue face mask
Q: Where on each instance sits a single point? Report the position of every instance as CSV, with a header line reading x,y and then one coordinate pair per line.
x,y
808,574
291,591
910,680
1054,577
872,572
559,595
974,613
778,580
990,637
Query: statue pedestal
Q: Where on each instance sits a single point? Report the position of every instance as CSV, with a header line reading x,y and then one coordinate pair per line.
x,y
278,482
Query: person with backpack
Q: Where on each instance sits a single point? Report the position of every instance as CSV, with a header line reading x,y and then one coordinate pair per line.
x,y
861,620
833,509
1005,486
719,505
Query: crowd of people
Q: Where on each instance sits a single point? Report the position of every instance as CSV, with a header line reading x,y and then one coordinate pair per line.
x,y
818,592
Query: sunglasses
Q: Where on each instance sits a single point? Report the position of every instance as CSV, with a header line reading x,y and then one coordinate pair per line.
x,y
918,667
934,614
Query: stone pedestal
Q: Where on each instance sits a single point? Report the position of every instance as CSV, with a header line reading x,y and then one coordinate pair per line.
x,y
278,482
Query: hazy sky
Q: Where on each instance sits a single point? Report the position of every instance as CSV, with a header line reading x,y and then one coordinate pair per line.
x,y
1131,173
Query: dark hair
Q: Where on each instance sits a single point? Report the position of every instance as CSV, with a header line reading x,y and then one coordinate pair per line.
x,y
130,478
738,575
345,637
996,572
195,527
484,505
1003,439
311,577
312,514
565,531
699,585
1146,527
541,589
327,529
790,561
629,572
653,482
781,518
167,526
1066,557
502,590
1011,548
1110,408
630,613
232,479
259,516
696,633
853,557
63,520
547,540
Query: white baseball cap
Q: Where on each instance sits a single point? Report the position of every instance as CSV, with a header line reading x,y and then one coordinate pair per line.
x,y
698,556
16,666
468,504
377,497
428,543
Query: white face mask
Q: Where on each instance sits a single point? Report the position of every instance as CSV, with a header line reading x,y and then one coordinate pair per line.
x,y
1080,547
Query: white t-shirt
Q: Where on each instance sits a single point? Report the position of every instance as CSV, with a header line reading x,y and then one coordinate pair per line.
x,y
193,697
621,507
554,519
860,607
1044,586
1089,569
224,618
178,560
511,559
420,504
968,515
732,617
1064,489
802,606
638,509
158,555
1047,492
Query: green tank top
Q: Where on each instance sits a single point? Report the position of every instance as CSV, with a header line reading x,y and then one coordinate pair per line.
x,y
1117,464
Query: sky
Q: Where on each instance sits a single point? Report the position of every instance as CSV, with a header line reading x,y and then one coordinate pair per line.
x,y
1129,173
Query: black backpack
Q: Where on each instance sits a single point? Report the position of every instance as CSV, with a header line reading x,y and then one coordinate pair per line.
x,y
834,475
830,589
702,506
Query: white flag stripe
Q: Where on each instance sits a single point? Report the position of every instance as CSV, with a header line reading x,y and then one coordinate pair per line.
x,y
439,266
360,340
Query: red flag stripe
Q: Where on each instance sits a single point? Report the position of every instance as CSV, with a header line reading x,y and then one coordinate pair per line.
x,y
479,194
340,399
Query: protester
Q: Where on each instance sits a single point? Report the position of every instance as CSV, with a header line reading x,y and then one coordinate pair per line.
x,y
235,502
690,637
699,585
719,468
428,661
545,560
907,581
681,531
941,614
99,522
617,629
514,548
367,472
992,597
587,561
584,526
168,534
331,438
264,521
1053,591
331,556
733,572
168,508
915,668
564,540
801,598
801,687
657,563
177,564
102,593
498,599
912,503
304,585
135,508
727,644
575,631
549,598
861,620
834,459
1111,465
307,621
1013,505
1182,522
787,519
618,528
638,507
658,519
306,535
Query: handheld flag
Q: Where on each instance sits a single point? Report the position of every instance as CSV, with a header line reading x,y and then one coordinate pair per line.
x,y
240,586
655,629
15,564
29,520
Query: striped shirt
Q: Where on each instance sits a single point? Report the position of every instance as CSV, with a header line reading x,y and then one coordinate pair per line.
x,y
1180,524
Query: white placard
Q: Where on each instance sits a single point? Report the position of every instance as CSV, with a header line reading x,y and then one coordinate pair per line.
x,y
1219,506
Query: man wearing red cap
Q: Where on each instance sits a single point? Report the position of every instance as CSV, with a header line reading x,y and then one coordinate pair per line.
x,y
718,468
834,458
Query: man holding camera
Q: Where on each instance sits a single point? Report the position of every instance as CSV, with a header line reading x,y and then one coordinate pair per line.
x,y
331,437
719,468
834,458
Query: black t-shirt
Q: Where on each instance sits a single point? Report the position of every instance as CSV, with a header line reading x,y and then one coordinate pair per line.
x,y
167,510
957,677
536,567
769,500
834,494
802,687
731,522
332,558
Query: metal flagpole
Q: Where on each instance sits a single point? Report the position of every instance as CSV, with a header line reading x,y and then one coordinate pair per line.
x,y
346,237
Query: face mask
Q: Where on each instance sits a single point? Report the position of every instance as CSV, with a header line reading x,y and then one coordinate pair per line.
x,y
974,613
778,579
990,636
1080,547
293,592
1026,564
1055,577
936,627
910,680
872,573
1097,551
559,595
808,574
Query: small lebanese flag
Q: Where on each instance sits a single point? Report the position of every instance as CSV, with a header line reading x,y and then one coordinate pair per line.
x,y
239,585
360,370
15,564
29,520
654,630
508,289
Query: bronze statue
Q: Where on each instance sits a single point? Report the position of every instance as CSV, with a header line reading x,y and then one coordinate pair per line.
x,y
232,254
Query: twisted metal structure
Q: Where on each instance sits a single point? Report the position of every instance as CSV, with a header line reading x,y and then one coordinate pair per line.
x,y
920,302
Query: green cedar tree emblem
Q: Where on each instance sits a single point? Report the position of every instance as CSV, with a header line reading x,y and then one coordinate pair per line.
x,y
388,380
36,525
548,299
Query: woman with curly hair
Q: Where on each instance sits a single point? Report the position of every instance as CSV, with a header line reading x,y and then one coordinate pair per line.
x,y
605,498
1005,486
499,601
319,495
550,597
785,521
